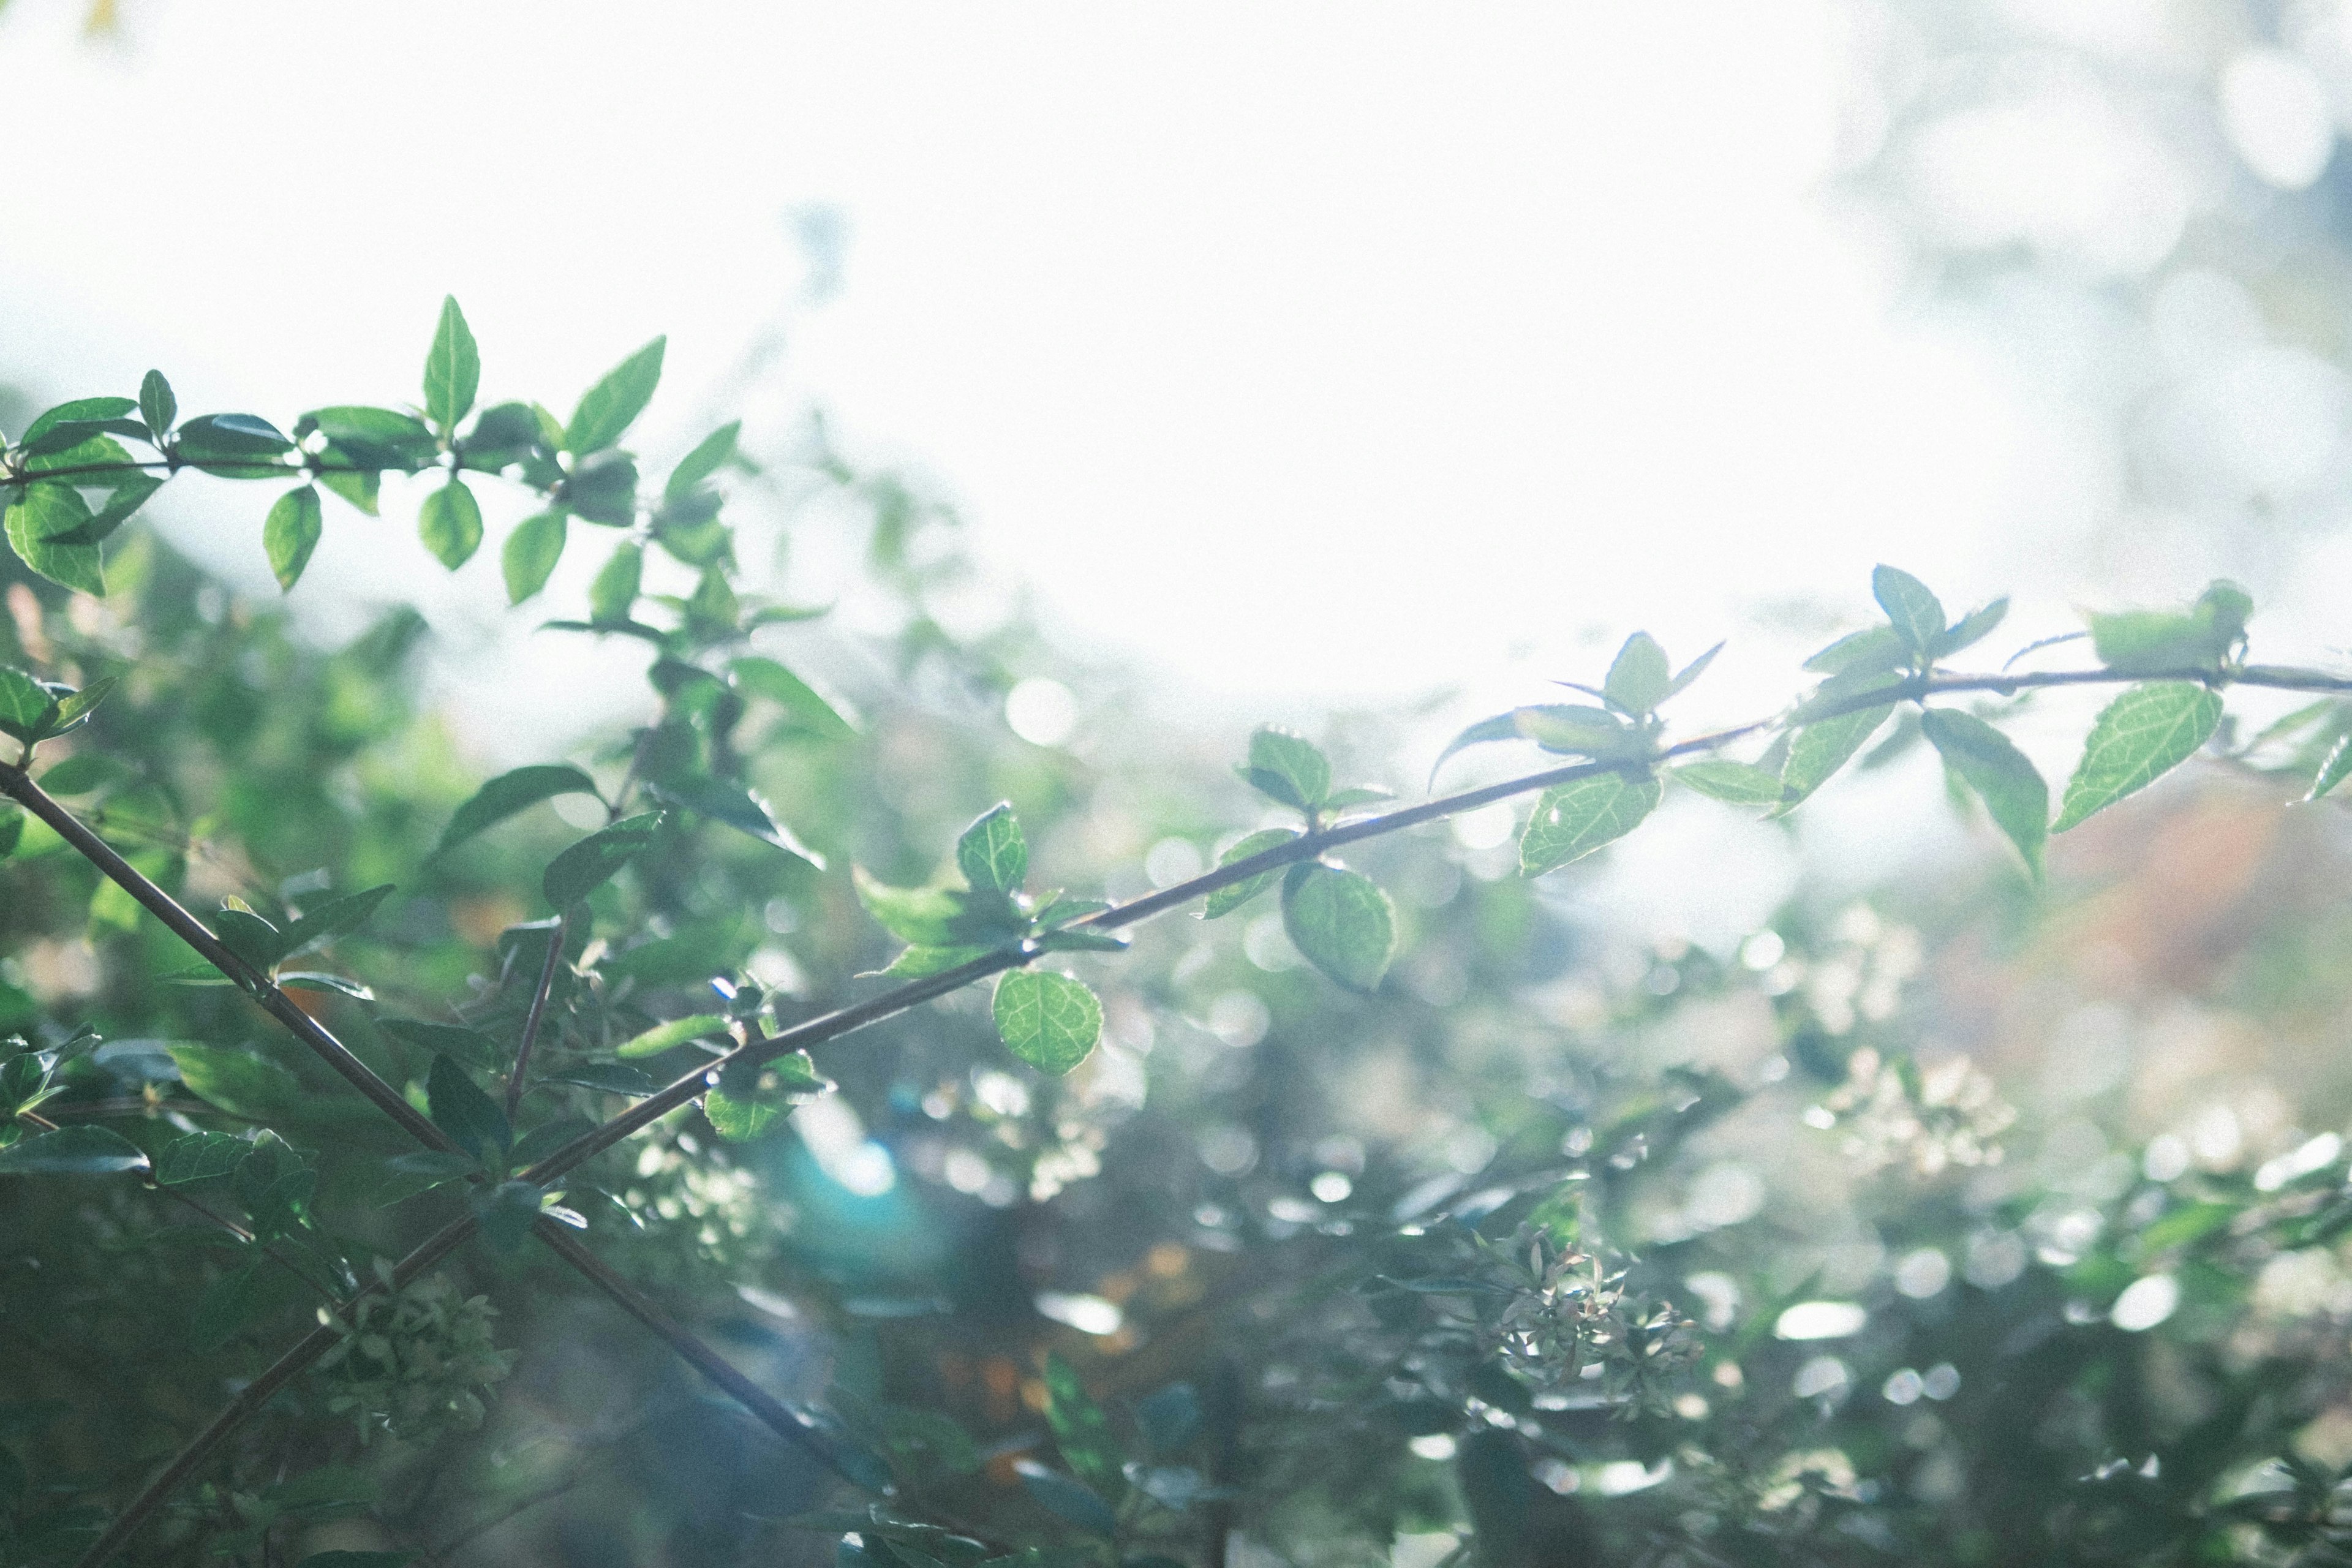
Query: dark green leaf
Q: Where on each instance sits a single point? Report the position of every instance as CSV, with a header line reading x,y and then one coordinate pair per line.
x,y
233,446
510,793
1081,1430
1573,819
1068,1499
2009,784
1170,1417
420,1171
450,523
372,438
458,1107
471,1047
1639,678
2138,737
807,711
292,532
614,402
336,917
1741,784
530,554
250,937
604,489
157,406
586,866
453,368
548,1136
224,1306
1916,615
664,1037
737,807
26,705
12,828
702,462
71,1151
615,590
1818,750
121,502
1341,921
506,1212
993,853
1226,900
198,1157
1287,767
1048,1020
71,418
274,1185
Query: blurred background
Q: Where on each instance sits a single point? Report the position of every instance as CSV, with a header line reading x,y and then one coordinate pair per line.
x,y
1364,369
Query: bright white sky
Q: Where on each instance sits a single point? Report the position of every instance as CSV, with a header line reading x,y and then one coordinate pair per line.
x,y
1336,349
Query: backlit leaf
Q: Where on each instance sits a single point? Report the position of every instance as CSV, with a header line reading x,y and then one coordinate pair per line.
x,y
808,711
1341,921
613,403
450,523
2003,777
1573,819
459,1108
71,1151
296,521
531,553
453,368
510,793
2138,739
1226,900
1640,677
589,864
1916,615
1741,784
1817,751
993,853
668,1037
1288,768
1048,1020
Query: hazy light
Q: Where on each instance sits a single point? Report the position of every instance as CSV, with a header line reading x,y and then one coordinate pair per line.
x,y
2275,111
1923,1273
1620,1477
1239,1019
1041,712
1170,861
836,1140
1824,1376
1821,1321
1904,1388
1331,1187
2146,1303
1433,1446
2166,1158
1942,1382
1486,827
2316,1155
1088,1315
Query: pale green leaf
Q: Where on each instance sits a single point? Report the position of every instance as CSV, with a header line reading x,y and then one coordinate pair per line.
x,y
1048,1020
668,1037
993,853
450,523
1916,615
1573,819
452,369
1740,784
1341,921
613,403
1226,900
291,532
1639,678
531,553
2138,737
1820,750
2003,777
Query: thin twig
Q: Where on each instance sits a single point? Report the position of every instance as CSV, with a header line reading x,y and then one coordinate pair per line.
x,y
538,1012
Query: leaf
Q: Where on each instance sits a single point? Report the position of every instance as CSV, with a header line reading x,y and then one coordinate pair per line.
x,y
1639,678
12,828
807,711
705,460
510,793
76,420
2332,771
450,523
1916,615
1971,628
121,502
548,1136
1740,784
1578,729
469,1045
1573,819
222,1307
71,1151
922,962
250,937
1873,648
336,917
941,917
586,866
420,1171
453,368
668,1037
372,438
993,853
1048,1020
611,1078
1081,1430
1818,750
2143,642
1360,794
2138,739
531,553
506,1212
615,590
1226,900
26,705
1692,671
83,773
157,406
233,446
296,521
737,807
736,1106
319,980
1082,941
614,402
364,491
73,707
1068,1499
2003,777
198,1157
1341,921
33,520
459,1108
1501,727
236,1079
1288,768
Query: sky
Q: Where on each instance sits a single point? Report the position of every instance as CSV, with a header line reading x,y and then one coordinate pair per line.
x,y
1330,350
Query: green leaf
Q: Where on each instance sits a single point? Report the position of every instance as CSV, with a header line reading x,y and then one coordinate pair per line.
x,y
744,1103
450,523
26,705
83,773
1081,942
1917,616
1873,648
2007,783
222,1307
737,807
337,916
510,792
419,1172
237,1080
157,406
2334,771
121,502
1818,750
33,521
199,1157
74,706
1068,1499
12,828
922,962
1048,1020
941,917
250,937
70,424
1639,678
372,437
459,1108
1288,768
452,369
586,866
2138,737
807,711
1692,671
1226,900
468,1046
1573,819
319,980
668,1037
1341,921
233,446
1971,628
364,491
71,1151
2144,642
531,553
1577,730
1081,1430
604,489
506,1212
274,1185
993,853
615,590
292,532
610,1078
1741,784
614,402
702,462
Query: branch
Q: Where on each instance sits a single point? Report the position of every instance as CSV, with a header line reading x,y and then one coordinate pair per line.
x,y
538,1012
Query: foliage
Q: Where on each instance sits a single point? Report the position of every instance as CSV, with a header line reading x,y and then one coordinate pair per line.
x,y
1129,1264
